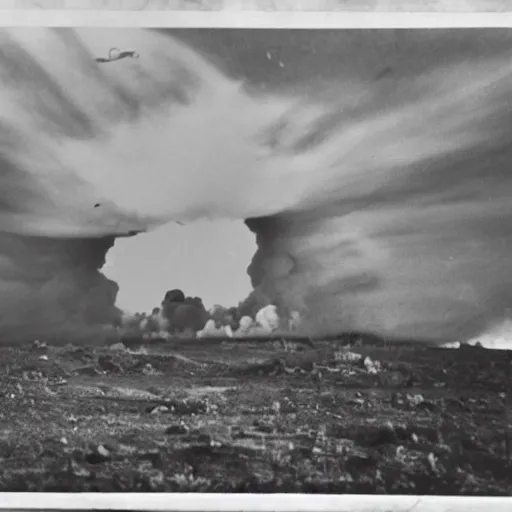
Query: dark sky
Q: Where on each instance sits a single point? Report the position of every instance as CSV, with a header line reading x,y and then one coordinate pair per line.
x,y
327,54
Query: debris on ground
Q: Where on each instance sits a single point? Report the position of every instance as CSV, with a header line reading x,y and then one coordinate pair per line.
x,y
254,418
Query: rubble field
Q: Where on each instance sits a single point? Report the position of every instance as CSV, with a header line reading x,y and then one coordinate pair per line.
x,y
255,417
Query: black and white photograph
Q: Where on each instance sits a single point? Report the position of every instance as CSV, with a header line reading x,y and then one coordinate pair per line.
x,y
256,260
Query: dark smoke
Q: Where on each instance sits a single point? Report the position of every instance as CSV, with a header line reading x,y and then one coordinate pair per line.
x,y
434,271
53,288
183,313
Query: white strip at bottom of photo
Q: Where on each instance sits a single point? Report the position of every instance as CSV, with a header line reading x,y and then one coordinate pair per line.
x,y
252,502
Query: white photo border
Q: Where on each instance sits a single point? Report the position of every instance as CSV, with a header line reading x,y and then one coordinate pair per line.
x,y
231,17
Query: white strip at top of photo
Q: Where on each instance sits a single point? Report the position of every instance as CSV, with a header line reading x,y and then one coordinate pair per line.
x,y
267,5
252,502
232,18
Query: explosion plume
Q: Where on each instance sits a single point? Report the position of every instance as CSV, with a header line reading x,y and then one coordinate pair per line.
x,y
379,201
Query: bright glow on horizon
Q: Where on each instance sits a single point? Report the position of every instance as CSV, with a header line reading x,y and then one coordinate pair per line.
x,y
205,259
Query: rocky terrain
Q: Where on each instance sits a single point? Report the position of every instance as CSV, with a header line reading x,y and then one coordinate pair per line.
x,y
255,417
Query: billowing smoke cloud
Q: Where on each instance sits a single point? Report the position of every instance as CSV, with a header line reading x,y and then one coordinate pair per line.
x,y
51,289
377,205
412,237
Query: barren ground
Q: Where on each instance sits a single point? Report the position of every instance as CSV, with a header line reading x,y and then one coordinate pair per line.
x,y
255,417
